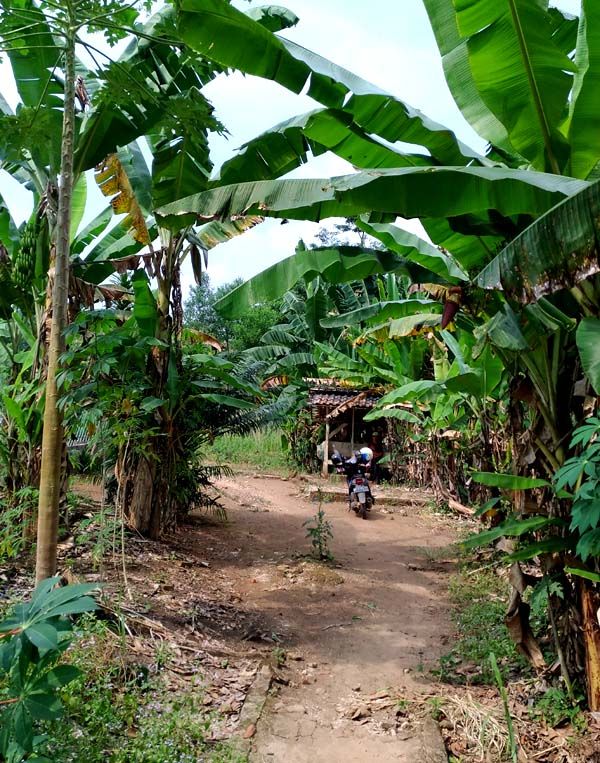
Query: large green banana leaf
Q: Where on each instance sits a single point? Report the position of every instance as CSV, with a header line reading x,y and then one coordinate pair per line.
x,y
383,311
273,17
555,252
78,204
406,192
181,166
565,28
415,249
584,132
335,265
455,60
9,233
471,251
287,145
588,342
503,331
229,37
517,66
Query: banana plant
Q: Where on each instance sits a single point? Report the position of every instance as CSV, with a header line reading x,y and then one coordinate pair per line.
x,y
520,222
152,90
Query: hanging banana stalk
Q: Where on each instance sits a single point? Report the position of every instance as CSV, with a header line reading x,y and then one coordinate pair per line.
x,y
452,303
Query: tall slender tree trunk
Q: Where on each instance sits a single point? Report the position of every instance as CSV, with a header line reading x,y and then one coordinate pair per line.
x,y
52,439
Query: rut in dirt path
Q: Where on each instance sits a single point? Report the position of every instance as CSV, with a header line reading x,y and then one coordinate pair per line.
x,y
358,634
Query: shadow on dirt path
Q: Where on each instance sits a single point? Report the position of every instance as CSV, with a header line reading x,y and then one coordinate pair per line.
x,y
374,620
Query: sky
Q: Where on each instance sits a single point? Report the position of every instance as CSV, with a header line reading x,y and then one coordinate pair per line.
x,y
387,42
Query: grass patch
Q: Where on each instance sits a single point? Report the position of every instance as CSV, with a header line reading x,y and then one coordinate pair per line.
x,y
262,450
479,599
119,712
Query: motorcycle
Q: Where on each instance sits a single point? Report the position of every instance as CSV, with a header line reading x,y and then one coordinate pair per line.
x,y
360,498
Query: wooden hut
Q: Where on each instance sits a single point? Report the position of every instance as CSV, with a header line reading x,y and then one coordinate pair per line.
x,y
342,409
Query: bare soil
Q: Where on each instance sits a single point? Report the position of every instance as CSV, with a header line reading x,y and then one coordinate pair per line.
x,y
347,642
357,632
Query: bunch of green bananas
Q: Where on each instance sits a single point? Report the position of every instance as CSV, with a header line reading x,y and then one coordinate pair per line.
x,y
24,258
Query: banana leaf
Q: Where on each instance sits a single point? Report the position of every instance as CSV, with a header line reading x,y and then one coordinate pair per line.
x,y
229,37
417,250
555,252
512,528
400,414
275,18
78,204
508,481
528,93
473,251
584,136
9,233
588,342
287,146
406,192
382,311
334,265
455,60
145,310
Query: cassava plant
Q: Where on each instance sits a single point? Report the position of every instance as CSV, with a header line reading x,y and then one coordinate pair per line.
x,y
320,533
33,640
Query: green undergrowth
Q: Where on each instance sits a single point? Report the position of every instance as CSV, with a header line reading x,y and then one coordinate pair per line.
x,y
555,708
479,598
262,450
121,712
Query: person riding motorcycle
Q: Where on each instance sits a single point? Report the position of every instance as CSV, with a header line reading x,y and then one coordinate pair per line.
x,y
357,464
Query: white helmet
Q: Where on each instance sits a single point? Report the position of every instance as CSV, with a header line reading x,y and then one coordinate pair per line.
x,y
367,454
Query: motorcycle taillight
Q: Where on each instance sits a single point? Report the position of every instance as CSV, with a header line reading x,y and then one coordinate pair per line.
x,y
359,480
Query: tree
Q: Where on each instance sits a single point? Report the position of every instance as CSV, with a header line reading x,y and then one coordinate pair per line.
x,y
29,35
199,312
235,334
148,92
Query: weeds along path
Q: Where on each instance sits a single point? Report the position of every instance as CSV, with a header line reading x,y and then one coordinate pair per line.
x,y
347,632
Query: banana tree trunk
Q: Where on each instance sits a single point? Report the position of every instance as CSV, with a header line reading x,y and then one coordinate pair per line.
x,y
52,439
147,491
590,626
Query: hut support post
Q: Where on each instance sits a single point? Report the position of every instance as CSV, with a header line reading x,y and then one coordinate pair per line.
x,y
352,434
325,470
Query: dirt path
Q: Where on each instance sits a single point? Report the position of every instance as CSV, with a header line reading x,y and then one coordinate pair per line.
x,y
341,653
377,620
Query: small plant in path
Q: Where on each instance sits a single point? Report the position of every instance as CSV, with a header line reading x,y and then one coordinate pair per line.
x,y
320,533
